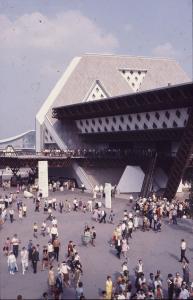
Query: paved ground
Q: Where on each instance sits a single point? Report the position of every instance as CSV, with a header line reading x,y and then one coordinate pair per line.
x,y
157,250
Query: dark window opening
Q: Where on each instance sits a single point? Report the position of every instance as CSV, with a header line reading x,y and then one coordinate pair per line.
x,y
138,118
128,128
136,127
175,124
147,116
164,125
154,126
130,118
145,126
167,114
178,114
107,120
122,119
114,120
120,128
93,122
157,115
112,128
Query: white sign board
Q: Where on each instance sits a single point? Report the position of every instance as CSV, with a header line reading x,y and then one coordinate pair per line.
x,y
43,178
107,191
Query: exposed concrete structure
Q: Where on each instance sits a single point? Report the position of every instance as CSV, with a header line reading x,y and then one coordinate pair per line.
x,y
98,79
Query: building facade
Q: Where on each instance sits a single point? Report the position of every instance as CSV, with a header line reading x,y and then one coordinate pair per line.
x,y
121,122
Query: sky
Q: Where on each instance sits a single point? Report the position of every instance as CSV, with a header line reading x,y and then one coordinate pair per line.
x,y
38,39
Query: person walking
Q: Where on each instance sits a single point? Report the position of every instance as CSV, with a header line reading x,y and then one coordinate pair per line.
x,y
93,236
186,272
24,259
111,217
54,232
51,280
35,258
35,230
24,210
109,287
103,216
15,243
170,282
61,205
12,264
125,248
20,213
59,286
118,246
183,251
11,214
56,245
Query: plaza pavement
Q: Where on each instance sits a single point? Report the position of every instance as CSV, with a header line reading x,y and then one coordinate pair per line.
x,y
157,250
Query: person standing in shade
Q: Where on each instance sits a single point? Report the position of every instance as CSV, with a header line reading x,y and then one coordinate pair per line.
x,y
183,251
35,258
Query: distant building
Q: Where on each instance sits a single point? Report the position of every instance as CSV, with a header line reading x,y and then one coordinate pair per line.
x,y
24,141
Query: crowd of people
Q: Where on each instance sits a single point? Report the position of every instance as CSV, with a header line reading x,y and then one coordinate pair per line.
x,y
66,269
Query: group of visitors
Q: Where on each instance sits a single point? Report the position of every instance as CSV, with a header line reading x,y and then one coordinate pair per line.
x,y
150,287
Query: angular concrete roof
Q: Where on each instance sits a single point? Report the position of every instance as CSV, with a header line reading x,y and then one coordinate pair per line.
x,y
106,68
84,71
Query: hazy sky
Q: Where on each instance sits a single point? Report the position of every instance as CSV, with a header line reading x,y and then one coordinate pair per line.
x,y
38,38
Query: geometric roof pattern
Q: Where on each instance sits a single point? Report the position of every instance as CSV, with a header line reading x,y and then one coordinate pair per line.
x,y
100,76
97,92
134,78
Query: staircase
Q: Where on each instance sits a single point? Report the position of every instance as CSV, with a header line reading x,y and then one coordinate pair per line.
x,y
148,179
182,160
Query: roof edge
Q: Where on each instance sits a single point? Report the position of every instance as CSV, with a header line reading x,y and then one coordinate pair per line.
x,y
13,138
40,116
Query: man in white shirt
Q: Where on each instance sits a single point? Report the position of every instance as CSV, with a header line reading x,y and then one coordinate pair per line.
x,y
54,232
184,294
24,259
183,251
